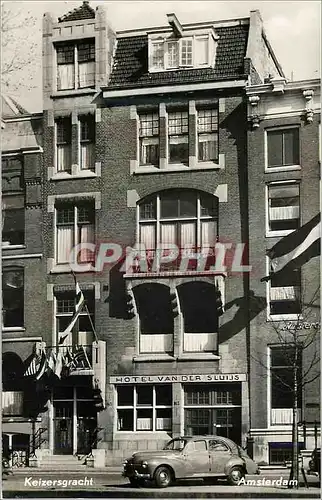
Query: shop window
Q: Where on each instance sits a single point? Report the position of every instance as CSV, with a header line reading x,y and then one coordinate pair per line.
x,y
144,408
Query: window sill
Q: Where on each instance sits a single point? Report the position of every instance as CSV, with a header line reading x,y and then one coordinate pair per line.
x,y
142,358
65,268
176,168
198,356
126,434
276,234
285,317
80,175
12,247
73,92
13,329
284,168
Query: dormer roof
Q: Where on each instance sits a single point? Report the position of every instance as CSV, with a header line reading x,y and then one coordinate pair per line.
x,y
11,108
85,11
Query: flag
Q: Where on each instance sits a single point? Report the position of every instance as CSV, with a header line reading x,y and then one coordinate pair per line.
x,y
37,365
295,249
80,301
51,362
80,359
59,363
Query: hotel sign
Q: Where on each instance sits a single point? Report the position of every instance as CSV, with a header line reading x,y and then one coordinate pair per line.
x,y
161,379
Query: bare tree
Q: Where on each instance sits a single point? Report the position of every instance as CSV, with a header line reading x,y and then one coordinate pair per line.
x,y
299,340
20,50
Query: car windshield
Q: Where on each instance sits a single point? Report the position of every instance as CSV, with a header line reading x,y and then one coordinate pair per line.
x,y
175,444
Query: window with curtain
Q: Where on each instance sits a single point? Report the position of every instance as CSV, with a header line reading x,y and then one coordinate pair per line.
x,y
65,307
75,224
282,361
285,293
186,218
283,147
144,407
87,142
283,206
185,52
149,139
178,137
207,124
13,297
75,65
64,144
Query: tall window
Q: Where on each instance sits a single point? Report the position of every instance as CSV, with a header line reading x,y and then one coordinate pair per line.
x,y
13,201
64,144
75,65
283,359
75,224
208,135
178,137
283,207
87,142
65,307
283,147
185,218
186,52
213,409
285,293
13,297
149,139
144,407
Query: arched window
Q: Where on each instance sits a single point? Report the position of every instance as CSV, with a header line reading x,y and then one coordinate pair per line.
x,y
186,218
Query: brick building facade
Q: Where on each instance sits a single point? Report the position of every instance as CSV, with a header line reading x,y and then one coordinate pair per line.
x,y
148,141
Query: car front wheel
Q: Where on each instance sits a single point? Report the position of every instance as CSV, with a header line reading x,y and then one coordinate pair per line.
x,y
163,477
235,475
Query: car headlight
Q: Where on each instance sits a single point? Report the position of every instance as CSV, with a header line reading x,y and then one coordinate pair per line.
x,y
125,462
144,463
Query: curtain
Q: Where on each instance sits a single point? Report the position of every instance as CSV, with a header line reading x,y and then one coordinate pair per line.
x,y
64,158
86,74
282,213
87,156
65,243
87,235
65,76
208,233
188,235
168,233
284,293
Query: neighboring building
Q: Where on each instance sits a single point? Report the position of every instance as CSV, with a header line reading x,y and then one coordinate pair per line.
x,y
147,141
23,270
284,167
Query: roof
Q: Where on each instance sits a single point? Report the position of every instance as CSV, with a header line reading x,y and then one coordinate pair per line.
x,y
11,108
85,11
130,68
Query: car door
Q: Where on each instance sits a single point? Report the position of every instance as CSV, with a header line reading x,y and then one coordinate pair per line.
x,y
219,454
196,456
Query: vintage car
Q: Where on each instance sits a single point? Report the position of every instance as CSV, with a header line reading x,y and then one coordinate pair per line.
x,y
190,457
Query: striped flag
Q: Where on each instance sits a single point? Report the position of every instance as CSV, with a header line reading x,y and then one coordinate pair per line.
x,y
296,248
80,301
37,365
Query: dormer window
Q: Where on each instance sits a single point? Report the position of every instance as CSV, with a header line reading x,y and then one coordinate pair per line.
x,y
195,51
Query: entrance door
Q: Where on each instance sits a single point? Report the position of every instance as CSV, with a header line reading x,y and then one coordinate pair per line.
x,y
63,427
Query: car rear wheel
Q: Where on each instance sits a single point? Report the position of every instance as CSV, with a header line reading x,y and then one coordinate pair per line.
x,y
163,477
235,475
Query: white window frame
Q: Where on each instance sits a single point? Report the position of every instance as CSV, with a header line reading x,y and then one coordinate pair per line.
x,y
284,232
165,40
62,172
135,407
146,140
283,168
277,317
79,144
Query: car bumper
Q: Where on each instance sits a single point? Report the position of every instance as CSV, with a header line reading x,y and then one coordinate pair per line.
x,y
137,475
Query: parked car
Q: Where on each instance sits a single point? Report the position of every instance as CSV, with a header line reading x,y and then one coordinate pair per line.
x,y
190,457
315,462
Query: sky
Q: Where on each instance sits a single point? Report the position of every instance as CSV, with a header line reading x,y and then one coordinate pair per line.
x,y
293,29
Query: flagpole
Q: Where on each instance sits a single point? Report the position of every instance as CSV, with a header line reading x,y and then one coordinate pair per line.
x,y
91,322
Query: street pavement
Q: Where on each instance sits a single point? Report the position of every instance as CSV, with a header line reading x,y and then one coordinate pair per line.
x,y
108,483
